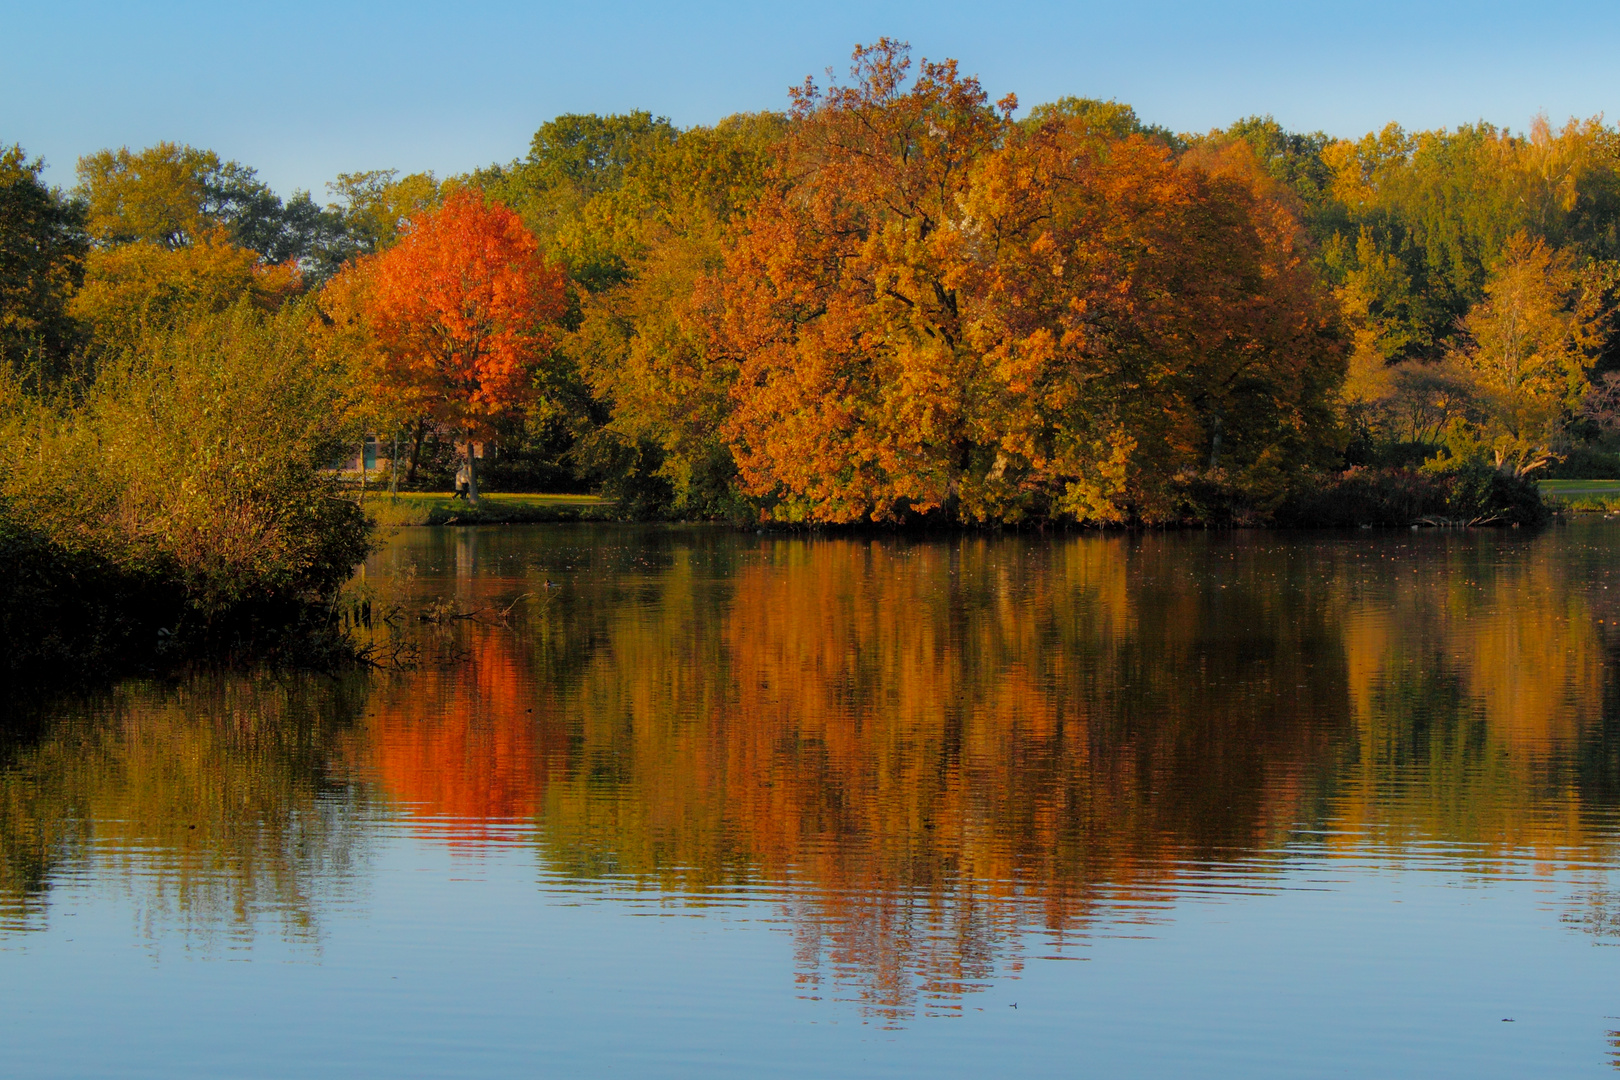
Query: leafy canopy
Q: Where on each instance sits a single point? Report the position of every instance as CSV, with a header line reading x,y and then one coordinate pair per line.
x,y
460,313
937,309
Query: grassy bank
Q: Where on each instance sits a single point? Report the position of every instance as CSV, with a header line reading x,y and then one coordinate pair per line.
x,y
1582,496
442,508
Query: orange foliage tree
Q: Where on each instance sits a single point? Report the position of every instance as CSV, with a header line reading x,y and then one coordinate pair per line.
x,y
939,310
842,300
457,317
1147,324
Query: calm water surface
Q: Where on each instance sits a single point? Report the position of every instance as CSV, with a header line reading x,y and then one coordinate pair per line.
x,y
692,803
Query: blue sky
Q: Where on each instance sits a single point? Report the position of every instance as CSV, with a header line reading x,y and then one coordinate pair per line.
x,y
302,91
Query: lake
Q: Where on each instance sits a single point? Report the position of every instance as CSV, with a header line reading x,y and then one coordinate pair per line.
x,y
692,802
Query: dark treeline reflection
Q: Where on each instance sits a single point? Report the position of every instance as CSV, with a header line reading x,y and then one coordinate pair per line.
x,y
920,749
211,803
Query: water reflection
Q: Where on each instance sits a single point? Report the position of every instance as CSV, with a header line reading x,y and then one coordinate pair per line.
x,y
920,750
211,803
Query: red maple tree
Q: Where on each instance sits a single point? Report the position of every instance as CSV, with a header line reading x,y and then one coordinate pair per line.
x,y
461,313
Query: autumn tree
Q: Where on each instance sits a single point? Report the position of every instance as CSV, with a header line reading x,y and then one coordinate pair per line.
x,y
1144,321
1529,344
1113,119
642,347
143,285
1445,204
937,309
1293,159
842,301
457,316
176,232
172,196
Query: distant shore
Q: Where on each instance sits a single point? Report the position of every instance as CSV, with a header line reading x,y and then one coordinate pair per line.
x,y
443,508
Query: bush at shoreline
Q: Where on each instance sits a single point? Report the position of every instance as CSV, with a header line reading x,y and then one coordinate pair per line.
x,y
183,504
1466,494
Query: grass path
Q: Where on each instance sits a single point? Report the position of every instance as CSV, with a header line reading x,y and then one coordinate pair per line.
x,y
1580,487
443,508
1590,495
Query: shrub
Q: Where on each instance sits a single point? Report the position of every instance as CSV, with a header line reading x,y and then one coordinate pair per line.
x,y
1467,493
60,603
1585,463
189,481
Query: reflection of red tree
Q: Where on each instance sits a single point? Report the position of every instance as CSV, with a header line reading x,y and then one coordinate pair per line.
x,y
461,746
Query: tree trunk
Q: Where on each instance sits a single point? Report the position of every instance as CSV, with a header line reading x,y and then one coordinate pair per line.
x,y
472,474
362,468
393,467
416,450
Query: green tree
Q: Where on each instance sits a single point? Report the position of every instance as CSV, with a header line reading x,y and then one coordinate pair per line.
x,y
42,247
1294,160
170,194
1113,119
642,346
571,160
373,206
173,195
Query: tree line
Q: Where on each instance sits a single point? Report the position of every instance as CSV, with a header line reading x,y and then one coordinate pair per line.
x,y
898,300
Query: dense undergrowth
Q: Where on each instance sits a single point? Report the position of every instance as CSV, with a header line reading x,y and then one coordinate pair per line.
x,y
181,504
1472,493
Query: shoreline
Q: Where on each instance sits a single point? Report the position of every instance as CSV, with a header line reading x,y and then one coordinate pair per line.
x,y
425,508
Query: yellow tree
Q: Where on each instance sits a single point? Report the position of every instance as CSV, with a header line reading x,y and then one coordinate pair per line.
x,y
147,284
1529,344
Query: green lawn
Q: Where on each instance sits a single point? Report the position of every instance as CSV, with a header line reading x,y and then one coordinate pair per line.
x,y
1564,488
443,508
1591,495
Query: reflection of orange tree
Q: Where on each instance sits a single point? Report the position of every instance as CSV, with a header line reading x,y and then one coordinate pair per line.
x,y
211,804
940,744
929,748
